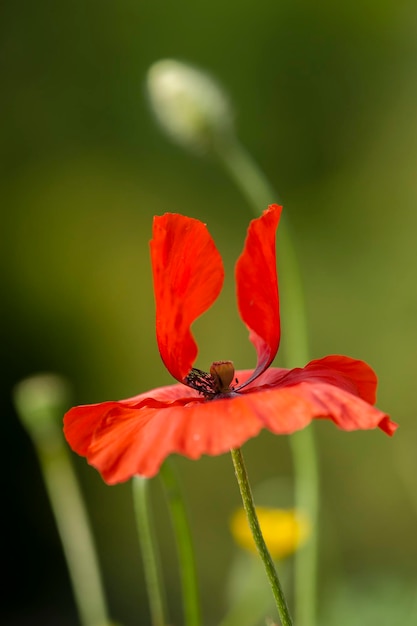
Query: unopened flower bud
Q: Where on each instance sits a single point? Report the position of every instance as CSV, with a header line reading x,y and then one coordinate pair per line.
x,y
189,105
40,401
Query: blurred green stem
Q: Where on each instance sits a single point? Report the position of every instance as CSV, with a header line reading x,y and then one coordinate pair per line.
x,y
40,402
249,506
192,613
153,578
259,193
76,537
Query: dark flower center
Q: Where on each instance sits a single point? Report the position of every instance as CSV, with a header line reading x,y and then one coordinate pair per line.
x,y
214,384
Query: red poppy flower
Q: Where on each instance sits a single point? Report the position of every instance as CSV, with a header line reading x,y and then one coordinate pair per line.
x,y
210,413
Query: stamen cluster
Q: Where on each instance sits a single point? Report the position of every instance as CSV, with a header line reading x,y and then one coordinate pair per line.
x,y
215,384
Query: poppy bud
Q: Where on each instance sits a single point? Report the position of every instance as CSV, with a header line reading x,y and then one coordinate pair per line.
x,y
189,105
40,401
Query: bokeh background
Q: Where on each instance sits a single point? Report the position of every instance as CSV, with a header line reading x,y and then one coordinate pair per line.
x,y
325,96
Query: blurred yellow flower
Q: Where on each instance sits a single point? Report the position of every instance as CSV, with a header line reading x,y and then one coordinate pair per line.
x,y
284,530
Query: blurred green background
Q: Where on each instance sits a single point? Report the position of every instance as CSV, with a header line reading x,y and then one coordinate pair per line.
x,y
326,100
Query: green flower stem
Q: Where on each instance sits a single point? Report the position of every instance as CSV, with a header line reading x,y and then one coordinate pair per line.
x,y
304,453
248,177
259,193
192,613
76,537
40,402
249,506
153,578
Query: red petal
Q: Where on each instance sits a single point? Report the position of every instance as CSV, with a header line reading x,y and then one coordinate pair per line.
x,y
122,439
287,409
358,372
257,287
81,422
353,375
336,387
188,276
139,441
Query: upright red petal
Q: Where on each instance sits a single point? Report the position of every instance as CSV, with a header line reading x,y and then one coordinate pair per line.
x,y
188,275
257,287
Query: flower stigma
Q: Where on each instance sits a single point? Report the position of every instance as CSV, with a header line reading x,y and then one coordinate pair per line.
x,y
216,384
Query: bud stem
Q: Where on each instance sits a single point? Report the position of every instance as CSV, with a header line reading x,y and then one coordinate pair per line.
x,y
256,188
40,402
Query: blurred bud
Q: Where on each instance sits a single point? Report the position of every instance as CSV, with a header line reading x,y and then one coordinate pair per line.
x,y
189,105
284,530
40,401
